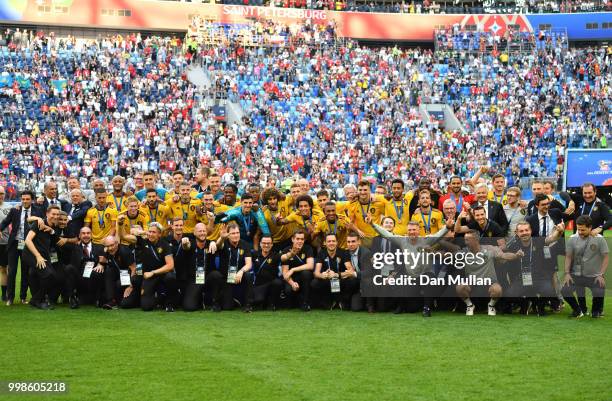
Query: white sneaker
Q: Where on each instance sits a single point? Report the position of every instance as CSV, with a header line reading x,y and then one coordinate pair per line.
x,y
469,311
492,311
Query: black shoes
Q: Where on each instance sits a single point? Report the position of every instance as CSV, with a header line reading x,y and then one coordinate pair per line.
x,y
596,314
247,309
42,305
109,306
74,302
577,314
216,308
305,307
398,310
426,312
169,308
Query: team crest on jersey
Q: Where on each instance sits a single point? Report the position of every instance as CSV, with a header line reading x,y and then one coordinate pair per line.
x,y
159,213
192,208
241,252
490,234
593,247
372,210
504,202
595,209
159,250
269,260
107,215
433,221
523,212
302,256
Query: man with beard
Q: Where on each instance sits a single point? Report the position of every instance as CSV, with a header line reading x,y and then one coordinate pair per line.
x,y
117,199
154,211
87,259
424,183
361,208
304,218
430,220
275,209
455,194
398,207
250,225
186,209
339,225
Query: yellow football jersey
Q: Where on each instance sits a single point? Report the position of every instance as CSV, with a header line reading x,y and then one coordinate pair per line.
x,y
429,223
102,223
188,212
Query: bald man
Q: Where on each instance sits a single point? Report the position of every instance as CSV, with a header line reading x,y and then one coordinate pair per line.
x,y
120,268
88,260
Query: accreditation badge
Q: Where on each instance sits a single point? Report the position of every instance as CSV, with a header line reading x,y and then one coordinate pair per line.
x,y
88,269
335,285
20,245
53,257
547,253
124,277
527,280
139,269
200,275
231,274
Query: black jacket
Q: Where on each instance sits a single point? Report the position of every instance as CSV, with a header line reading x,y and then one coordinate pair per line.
x,y
78,258
14,220
78,216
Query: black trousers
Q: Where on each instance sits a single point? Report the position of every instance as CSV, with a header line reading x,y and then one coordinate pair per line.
x,y
14,255
323,294
66,279
418,296
304,279
133,299
193,294
153,285
42,281
582,283
230,290
91,289
267,293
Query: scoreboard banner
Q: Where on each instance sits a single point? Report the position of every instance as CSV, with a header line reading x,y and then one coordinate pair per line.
x,y
176,16
588,165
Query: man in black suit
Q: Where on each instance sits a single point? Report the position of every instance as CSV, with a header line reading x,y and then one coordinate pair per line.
x,y
494,210
76,210
17,219
599,211
88,259
361,259
50,197
543,224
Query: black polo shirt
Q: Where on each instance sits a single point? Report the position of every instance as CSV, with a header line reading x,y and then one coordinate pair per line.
x,y
234,255
299,259
121,260
265,268
152,256
42,242
489,234
194,257
337,263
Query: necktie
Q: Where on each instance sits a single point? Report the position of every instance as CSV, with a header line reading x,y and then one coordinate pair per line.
x,y
355,261
85,251
544,226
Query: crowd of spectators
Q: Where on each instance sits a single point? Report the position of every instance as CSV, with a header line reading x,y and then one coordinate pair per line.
x,y
316,105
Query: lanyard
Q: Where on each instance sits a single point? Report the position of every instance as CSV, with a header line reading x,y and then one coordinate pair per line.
x,y
399,212
458,205
305,220
484,232
513,214
132,220
327,259
329,231
118,206
428,223
247,225
179,245
300,259
231,250
152,248
530,257
501,198
261,266
100,218
201,254
590,210
153,217
364,214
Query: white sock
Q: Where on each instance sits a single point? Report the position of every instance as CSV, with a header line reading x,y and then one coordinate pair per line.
x,y
492,302
468,301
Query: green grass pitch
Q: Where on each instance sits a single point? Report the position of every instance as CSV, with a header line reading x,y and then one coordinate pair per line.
x,y
291,355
